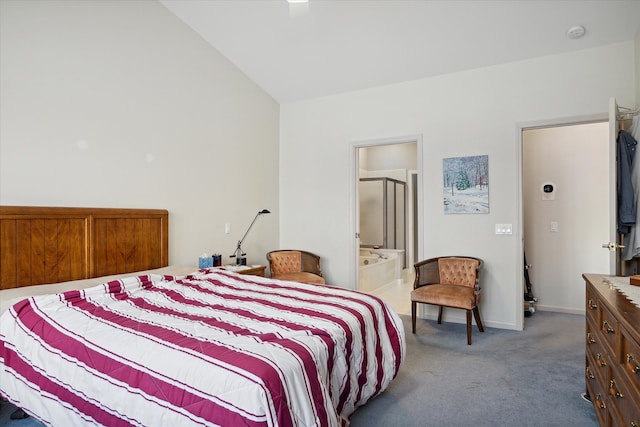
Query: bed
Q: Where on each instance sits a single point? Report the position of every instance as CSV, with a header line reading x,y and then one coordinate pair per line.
x,y
171,345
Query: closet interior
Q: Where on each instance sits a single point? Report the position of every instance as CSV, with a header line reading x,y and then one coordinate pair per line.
x,y
627,136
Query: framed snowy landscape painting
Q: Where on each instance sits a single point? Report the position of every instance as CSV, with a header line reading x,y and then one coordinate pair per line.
x,y
466,184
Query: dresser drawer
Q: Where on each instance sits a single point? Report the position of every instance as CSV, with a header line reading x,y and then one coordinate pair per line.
x,y
599,397
592,306
596,349
608,326
598,365
623,405
594,338
630,360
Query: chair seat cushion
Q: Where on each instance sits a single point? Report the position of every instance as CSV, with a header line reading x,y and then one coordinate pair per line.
x,y
447,295
300,276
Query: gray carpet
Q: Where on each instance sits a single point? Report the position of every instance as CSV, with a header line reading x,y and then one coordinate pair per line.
x,y
506,378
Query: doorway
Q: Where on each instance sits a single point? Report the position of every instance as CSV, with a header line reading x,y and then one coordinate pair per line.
x,y
565,210
386,178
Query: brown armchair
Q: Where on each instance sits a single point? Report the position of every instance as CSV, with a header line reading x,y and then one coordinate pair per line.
x,y
448,282
299,266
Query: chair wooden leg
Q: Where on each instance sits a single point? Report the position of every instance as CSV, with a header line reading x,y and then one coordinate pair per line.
x,y
476,314
468,327
440,310
413,316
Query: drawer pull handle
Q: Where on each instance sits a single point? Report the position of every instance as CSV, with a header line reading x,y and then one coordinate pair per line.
x,y
592,305
599,402
632,364
600,361
613,389
607,328
590,339
589,374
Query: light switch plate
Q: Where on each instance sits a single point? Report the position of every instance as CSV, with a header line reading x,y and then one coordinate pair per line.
x,y
504,229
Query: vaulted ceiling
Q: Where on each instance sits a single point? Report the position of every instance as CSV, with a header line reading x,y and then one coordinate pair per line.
x,y
333,46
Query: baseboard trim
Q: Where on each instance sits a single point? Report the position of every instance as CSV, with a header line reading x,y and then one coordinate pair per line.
x,y
540,307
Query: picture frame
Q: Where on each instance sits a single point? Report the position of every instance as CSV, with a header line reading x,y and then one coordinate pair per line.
x,y
466,185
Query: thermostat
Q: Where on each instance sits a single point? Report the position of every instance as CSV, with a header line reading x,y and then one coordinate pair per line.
x,y
548,190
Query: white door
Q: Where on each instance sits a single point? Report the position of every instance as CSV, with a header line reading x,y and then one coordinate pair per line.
x,y
611,245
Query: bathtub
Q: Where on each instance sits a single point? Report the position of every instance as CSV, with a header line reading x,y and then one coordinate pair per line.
x,y
368,260
379,268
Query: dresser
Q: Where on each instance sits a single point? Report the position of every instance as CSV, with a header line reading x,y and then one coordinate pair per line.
x,y
612,367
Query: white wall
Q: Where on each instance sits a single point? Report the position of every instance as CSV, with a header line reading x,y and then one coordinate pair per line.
x,y
392,156
119,104
462,114
576,160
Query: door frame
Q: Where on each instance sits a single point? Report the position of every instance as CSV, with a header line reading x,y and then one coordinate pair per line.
x,y
354,173
520,128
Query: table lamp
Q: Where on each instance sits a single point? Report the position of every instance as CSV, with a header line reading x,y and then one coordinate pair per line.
x,y
239,255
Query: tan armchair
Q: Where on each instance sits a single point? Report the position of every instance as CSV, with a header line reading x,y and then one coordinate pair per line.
x,y
448,282
299,266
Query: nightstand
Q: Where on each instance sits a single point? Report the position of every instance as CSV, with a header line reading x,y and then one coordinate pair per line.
x,y
254,270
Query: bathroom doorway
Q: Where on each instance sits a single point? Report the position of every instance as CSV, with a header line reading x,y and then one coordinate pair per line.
x,y
386,215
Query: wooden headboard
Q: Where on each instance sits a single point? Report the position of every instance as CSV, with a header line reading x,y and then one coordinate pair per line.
x,y
50,244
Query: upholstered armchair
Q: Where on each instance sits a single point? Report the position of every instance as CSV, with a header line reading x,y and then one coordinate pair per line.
x,y
296,265
448,282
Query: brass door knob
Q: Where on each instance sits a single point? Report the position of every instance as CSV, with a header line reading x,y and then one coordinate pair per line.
x,y
612,246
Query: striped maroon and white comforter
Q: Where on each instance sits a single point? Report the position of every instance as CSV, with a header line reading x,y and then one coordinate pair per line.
x,y
210,348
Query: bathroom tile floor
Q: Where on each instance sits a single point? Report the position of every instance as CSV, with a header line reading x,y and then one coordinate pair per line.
x,y
398,295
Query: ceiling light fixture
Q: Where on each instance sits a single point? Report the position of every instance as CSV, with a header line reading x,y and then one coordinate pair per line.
x,y
576,32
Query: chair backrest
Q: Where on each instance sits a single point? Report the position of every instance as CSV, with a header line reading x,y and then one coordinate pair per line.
x,y
458,271
281,262
293,261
